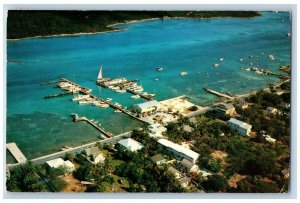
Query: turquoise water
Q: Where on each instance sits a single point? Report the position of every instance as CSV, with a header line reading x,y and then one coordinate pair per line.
x,y
40,126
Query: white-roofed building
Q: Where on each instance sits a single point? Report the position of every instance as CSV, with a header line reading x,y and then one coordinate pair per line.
x,y
131,144
94,155
150,106
59,162
70,166
180,151
239,126
156,130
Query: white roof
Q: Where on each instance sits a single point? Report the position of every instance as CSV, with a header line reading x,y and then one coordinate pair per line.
x,y
147,104
69,164
55,163
179,148
131,144
240,123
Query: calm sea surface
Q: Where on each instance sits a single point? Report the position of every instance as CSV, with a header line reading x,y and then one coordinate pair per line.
x,y
40,126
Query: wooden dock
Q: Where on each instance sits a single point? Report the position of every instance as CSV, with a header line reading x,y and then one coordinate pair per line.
x,y
106,134
220,94
16,152
58,95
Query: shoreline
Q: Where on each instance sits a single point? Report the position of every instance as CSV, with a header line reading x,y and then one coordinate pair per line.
x,y
119,30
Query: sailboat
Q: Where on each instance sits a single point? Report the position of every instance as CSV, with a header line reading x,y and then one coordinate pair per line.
x,y
100,77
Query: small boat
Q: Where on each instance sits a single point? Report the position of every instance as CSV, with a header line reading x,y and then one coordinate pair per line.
x,y
108,99
241,59
250,56
86,101
120,91
80,97
138,89
115,88
222,59
104,105
118,111
216,65
156,79
135,96
183,73
288,34
159,68
152,95
271,57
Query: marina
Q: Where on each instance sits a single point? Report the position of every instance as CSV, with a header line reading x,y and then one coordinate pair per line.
x,y
122,85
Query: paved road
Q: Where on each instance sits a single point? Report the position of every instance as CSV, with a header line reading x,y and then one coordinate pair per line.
x,y
74,150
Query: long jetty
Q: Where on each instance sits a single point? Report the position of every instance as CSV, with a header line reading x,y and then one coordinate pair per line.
x,y
106,134
16,152
58,95
220,94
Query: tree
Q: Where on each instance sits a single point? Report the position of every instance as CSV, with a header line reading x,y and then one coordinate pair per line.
x,y
215,183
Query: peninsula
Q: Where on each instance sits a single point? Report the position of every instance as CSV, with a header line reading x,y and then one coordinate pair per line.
x,y
29,24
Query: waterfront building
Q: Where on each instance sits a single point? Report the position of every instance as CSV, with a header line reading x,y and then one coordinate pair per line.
x,y
225,109
131,144
156,130
59,162
239,126
188,167
179,151
94,155
158,159
146,107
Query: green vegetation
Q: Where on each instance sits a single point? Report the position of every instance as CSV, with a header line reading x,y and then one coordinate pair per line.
x,y
21,24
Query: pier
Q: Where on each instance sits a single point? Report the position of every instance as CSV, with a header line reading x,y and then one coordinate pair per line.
x,y
16,152
49,82
58,95
220,94
105,134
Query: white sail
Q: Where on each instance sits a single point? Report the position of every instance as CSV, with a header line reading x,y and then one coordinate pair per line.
x,y
100,74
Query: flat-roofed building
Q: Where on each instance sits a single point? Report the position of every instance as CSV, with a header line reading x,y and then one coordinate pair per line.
x,y
150,106
239,126
174,172
131,144
179,151
59,162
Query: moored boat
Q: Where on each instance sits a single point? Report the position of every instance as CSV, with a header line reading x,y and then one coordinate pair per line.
x,y
135,96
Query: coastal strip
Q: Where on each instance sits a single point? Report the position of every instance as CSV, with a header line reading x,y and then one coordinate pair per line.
x,y
74,150
69,35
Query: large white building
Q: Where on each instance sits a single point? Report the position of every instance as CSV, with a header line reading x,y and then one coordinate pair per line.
x,y
145,107
59,162
131,144
180,151
239,126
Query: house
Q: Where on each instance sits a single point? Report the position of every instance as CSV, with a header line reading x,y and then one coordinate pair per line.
x,y
241,103
174,172
225,109
285,173
188,167
94,155
179,151
131,144
193,120
69,165
187,128
184,181
59,162
239,126
158,159
156,130
150,106
271,111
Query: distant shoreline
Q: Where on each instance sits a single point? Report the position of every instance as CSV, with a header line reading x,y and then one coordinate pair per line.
x,y
115,30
